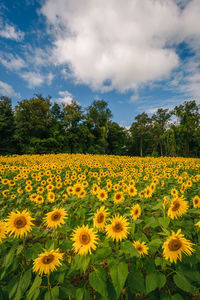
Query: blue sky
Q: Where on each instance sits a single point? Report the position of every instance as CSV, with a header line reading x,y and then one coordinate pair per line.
x,y
137,55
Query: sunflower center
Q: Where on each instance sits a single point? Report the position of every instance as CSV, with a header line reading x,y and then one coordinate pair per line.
x,y
139,248
47,259
118,196
117,227
56,216
136,212
20,222
102,195
100,218
196,201
174,245
84,238
176,206
78,189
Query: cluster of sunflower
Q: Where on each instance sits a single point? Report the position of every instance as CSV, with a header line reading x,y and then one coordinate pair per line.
x,y
114,192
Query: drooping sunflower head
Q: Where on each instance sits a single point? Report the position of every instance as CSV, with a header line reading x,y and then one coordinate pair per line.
x,y
177,208
2,230
85,239
175,245
141,247
118,197
55,218
47,262
118,228
19,223
196,201
100,217
135,212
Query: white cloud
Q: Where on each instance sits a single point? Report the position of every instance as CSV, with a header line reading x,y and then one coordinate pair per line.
x,y
7,90
66,97
35,79
10,31
111,45
12,62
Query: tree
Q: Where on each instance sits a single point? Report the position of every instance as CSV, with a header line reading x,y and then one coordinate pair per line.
x,y
97,118
7,127
160,122
140,130
117,139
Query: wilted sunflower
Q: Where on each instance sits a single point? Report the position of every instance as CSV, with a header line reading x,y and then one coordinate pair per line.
x,y
19,223
177,208
47,262
175,245
84,239
196,201
102,195
56,218
135,212
100,217
141,247
118,197
118,229
2,230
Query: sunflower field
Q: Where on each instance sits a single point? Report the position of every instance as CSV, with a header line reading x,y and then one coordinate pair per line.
x,y
84,227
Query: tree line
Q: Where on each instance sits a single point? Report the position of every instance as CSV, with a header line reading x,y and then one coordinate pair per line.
x,y
36,126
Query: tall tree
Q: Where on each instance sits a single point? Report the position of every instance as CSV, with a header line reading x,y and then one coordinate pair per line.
x,y
7,127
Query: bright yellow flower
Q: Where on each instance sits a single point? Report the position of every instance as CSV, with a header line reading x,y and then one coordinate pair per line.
x,y
47,262
19,223
118,229
85,239
56,218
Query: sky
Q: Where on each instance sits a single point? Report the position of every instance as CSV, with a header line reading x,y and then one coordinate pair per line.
x,y
137,55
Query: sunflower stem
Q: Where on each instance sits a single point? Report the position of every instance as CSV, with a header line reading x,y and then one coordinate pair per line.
x,y
48,280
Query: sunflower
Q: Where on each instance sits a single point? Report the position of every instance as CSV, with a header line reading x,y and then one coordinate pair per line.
x,y
141,247
132,191
56,218
51,197
84,239
175,245
198,224
39,199
177,208
147,192
196,201
174,193
118,229
47,262
2,230
118,197
94,189
102,195
135,212
100,217
19,223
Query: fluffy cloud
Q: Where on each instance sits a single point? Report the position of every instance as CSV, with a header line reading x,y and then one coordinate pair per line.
x,y
115,45
7,90
10,31
66,97
35,79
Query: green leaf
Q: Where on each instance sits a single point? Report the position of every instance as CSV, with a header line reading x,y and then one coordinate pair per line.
x,y
118,273
55,292
19,249
9,257
136,282
36,284
182,283
154,280
82,294
128,248
177,297
97,280
164,222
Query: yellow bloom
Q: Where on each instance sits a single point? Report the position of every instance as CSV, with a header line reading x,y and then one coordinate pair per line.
x,y
51,197
84,239
100,217
177,208
141,247
118,197
19,223
118,229
132,191
175,245
2,230
56,218
196,201
102,195
135,212
47,262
